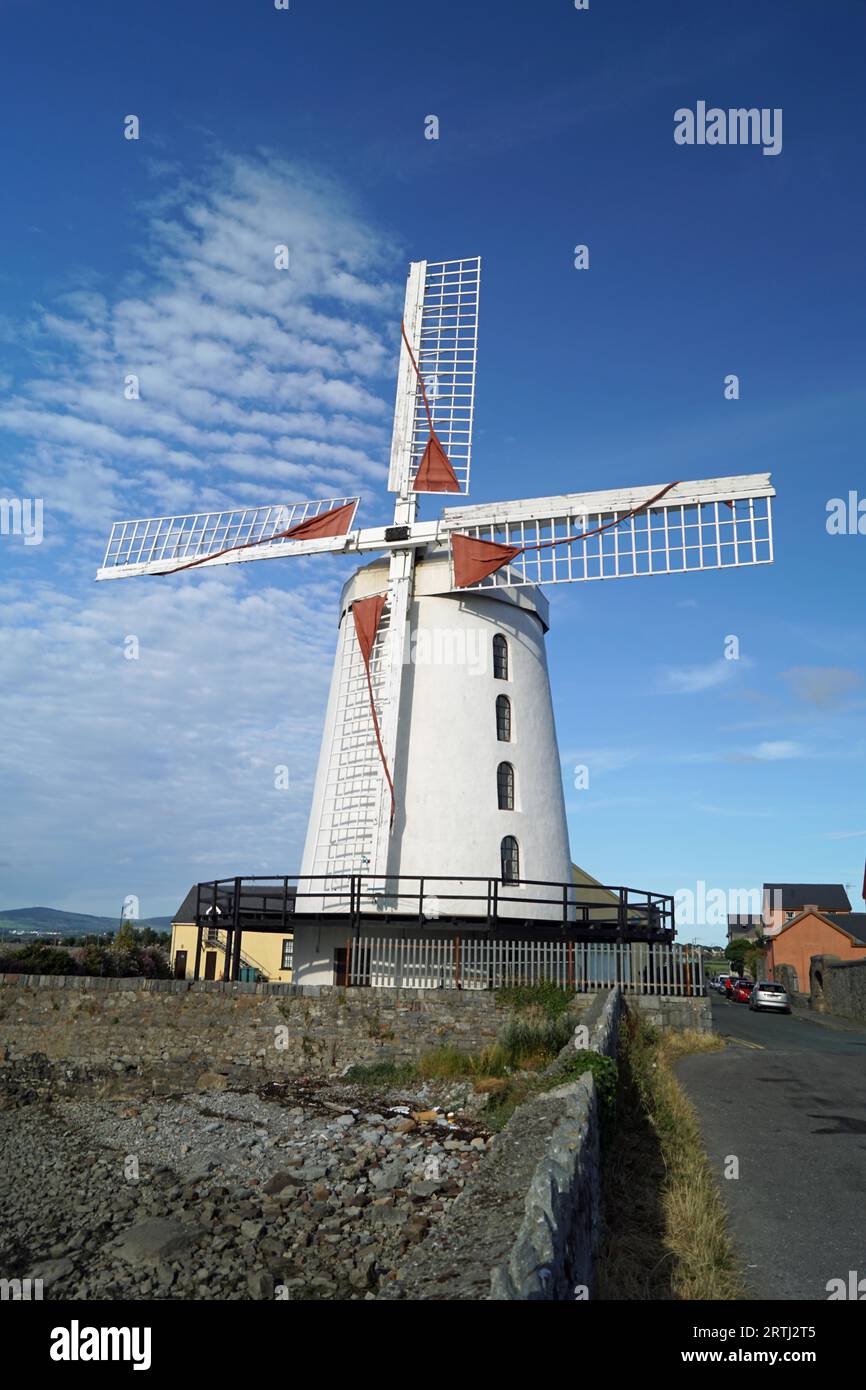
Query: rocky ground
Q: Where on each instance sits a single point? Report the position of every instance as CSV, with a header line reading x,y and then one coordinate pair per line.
x,y
312,1189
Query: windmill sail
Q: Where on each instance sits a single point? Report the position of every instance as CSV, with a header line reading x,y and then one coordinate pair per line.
x,y
164,544
718,523
436,377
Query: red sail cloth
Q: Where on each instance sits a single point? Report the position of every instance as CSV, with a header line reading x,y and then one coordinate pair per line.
x,y
366,613
475,559
435,473
332,523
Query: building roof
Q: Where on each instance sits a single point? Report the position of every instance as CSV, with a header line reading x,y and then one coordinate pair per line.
x,y
186,911
793,897
585,880
854,923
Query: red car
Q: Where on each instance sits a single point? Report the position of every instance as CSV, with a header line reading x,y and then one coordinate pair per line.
x,y
742,991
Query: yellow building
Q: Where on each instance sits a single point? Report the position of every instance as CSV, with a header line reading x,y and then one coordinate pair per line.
x,y
264,955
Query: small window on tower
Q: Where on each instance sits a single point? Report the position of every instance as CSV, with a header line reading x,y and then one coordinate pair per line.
x,y
505,786
510,855
503,719
500,658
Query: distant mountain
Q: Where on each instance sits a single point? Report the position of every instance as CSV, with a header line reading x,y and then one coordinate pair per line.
x,y
51,919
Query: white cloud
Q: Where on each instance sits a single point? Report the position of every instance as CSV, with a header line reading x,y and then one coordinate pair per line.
x,y
692,680
241,366
165,762
776,750
256,386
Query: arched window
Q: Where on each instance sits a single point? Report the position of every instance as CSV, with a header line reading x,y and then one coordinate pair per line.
x,y
510,856
503,718
500,658
505,786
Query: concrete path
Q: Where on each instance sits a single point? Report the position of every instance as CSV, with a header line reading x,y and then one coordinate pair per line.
x,y
787,1097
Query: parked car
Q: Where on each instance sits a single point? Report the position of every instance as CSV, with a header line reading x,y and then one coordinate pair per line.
x,y
720,981
742,991
768,995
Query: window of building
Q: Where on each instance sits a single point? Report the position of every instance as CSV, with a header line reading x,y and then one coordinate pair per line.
x,y
510,855
500,658
505,786
288,953
503,719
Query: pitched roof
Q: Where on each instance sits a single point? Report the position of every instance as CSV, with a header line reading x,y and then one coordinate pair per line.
x,y
186,911
852,922
793,897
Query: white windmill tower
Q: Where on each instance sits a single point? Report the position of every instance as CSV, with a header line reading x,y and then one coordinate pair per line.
x,y
439,752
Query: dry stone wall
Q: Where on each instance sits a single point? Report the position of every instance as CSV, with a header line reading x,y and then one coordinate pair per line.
x,y
527,1224
838,986
159,1036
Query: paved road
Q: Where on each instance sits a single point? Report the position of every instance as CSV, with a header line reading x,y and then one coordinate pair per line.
x,y
788,1098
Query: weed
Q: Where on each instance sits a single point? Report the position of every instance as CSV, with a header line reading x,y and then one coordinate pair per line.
x,y
666,1234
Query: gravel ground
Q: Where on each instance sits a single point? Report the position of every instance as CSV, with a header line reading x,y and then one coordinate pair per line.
x,y
313,1189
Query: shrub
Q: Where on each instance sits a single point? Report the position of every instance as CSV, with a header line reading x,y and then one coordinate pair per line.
x,y
550,999
40,960
534,1038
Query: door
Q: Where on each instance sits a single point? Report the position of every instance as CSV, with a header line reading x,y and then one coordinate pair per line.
x,y
180,965
341,966
210,965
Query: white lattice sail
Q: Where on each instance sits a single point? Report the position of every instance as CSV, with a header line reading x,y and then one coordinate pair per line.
x,y
441,323
719,523
157,545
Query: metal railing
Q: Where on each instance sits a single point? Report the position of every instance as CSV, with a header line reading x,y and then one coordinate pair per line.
x,y
266,903
214,936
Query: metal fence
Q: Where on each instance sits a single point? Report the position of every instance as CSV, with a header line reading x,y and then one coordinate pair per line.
x,y
480,963
257,903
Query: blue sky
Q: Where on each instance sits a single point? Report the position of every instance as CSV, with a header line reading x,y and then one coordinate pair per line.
x,y
307,126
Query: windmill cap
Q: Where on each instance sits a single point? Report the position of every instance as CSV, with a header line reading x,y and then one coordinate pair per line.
x,y
433,579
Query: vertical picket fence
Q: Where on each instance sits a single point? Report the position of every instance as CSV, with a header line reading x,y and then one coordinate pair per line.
x,y
477,963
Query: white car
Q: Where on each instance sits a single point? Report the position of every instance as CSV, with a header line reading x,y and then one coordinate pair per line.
x,y
768,995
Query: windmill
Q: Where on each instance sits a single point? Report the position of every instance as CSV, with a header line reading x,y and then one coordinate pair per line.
x,y
411,747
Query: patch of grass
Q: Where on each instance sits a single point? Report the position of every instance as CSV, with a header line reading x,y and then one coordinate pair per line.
x,y
516,1089
666,1232
382,1074
534,1038
540,1026
446,1064
545,997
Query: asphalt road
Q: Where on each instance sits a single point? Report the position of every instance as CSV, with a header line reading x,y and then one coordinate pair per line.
x,y
787,1098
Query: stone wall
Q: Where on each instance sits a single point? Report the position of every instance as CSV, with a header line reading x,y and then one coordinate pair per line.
x,y
526,1226
158,1036
838,986
671,1011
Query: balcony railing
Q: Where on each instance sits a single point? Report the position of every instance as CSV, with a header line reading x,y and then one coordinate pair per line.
x,y
274,904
